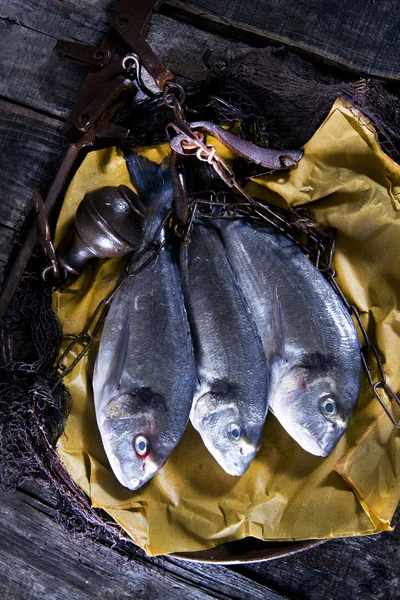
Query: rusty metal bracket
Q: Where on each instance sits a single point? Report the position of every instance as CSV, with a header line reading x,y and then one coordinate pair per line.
x,y
106,88
124,24
82,54
108,78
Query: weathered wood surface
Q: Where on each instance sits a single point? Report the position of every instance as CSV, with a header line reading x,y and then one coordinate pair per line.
x,y
31,147
52,85
359,35
357,568
36,559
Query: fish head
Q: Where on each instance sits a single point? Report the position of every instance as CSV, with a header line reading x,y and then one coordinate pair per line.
x,y
315,407
135,437
227,434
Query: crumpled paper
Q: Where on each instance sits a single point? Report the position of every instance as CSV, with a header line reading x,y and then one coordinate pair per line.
x,y
286,494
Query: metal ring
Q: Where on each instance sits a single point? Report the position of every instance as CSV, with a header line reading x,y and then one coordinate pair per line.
x,y
177,92
49,275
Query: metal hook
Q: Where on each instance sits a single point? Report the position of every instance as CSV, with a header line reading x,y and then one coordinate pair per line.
x,y
127,62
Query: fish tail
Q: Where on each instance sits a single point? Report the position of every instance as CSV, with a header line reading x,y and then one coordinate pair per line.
x,y
148,177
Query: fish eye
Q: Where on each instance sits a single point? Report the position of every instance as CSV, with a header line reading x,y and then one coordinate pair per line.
x,y
329,408
234,432
141,445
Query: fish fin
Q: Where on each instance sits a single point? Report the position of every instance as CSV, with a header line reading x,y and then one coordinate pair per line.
x,y
276,332
119,359
148,177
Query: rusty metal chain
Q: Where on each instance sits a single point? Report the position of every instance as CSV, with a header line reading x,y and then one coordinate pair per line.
x,y
52,272
369,350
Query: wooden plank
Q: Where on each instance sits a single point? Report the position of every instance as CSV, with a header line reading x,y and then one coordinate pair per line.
x,y
79,20
32,76
7,239
45,563
182,45
31,147
350,568
52,85
353,35
341,33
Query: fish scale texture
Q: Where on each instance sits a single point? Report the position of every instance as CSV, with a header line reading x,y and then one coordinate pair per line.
x,y
308,336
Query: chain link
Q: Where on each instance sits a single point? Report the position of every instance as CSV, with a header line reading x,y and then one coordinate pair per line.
x,y
52,272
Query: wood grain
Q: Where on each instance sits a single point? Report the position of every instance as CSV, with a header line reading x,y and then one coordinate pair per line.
x,y
7,240
351,568
30,148
49,85
356,35
46,558
45,563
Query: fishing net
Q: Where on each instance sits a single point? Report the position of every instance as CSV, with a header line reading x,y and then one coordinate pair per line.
x,y
277,98
273,98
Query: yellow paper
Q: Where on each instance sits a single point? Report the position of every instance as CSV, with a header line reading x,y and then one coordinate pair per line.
x,y
287,494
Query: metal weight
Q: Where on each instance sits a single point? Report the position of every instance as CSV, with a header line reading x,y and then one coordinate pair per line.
x,y
109,222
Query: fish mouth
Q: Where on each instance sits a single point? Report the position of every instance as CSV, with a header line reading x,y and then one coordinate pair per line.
x,y
236,470
316,447
135,482
239,465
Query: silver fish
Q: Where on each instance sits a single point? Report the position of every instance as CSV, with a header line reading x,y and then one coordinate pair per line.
x,y
144,377
308,335
230,403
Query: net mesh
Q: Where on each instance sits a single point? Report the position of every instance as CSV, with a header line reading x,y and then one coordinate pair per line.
x,y
277,98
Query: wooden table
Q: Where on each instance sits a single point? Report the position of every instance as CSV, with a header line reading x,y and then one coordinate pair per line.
x,y
37,559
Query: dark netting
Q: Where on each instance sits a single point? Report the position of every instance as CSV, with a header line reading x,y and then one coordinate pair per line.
x,y
273,98
293,96
278,99
33,410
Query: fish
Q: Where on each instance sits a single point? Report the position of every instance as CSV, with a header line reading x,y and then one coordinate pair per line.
x,y
309,338
231,399
144,376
